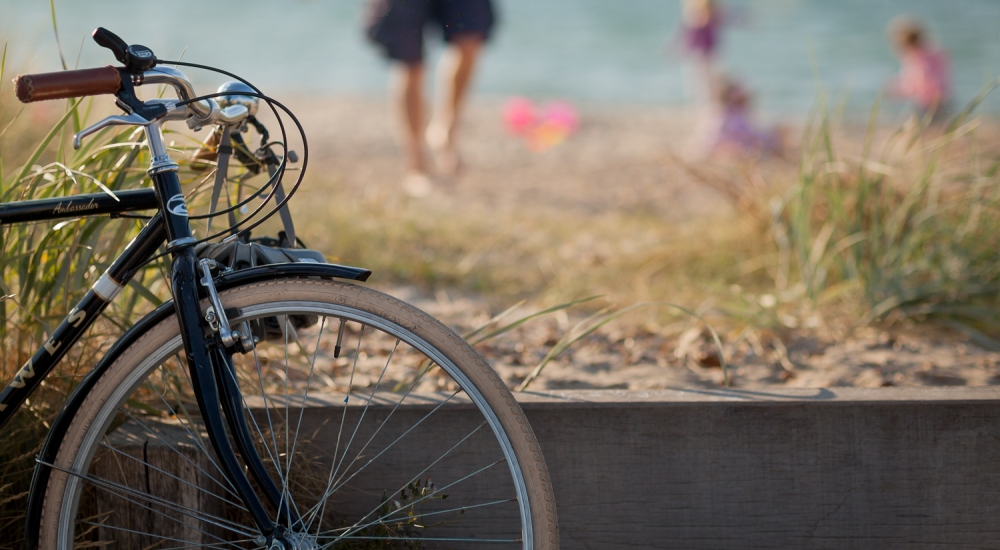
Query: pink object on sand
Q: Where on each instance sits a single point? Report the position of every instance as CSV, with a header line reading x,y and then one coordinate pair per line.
x,y
540,127
519,115
562,115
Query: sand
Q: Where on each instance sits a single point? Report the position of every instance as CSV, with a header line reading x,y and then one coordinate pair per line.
x,y
620,159
623,159
631,355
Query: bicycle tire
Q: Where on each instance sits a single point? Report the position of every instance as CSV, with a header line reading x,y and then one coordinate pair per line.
x,y
95,490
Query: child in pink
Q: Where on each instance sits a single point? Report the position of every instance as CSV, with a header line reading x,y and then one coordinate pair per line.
x,y
924,72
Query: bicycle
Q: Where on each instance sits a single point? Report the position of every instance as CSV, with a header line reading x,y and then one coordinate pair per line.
x,y
202,427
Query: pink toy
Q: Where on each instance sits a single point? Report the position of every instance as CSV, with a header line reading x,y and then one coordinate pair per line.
x,y
519,115
541,128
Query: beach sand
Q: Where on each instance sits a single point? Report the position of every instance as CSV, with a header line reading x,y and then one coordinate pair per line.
x,y
623,163
619,160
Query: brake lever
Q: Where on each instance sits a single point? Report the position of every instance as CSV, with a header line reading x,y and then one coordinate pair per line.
x,y
133,119
136,58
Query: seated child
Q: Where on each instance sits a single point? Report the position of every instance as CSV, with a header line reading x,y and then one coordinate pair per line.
x,y
728,128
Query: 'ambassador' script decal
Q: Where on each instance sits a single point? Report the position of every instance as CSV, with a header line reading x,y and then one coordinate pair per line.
x,y
71,208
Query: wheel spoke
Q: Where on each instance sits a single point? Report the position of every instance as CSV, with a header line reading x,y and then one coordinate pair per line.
x,y
432,493
286,328
270,454
375,433
199,517
161,537
110,486
270,424
199,545
253,420
331,490
387,517
349,390
197,439
343,417
362,418
174,449
172,476
200,439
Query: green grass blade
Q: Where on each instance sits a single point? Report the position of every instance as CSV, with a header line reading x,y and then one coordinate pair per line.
x,y
525,319
44,144
493,320
598,320
55,31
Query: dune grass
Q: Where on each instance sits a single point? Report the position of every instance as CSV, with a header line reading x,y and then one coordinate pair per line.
x,y
907,233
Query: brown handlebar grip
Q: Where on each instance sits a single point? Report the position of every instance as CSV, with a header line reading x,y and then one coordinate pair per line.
x,y
65,84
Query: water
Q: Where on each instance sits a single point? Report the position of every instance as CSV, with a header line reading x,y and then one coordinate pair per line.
x,y
600,51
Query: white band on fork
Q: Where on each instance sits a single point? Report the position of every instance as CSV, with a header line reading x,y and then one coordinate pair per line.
x,y
106,287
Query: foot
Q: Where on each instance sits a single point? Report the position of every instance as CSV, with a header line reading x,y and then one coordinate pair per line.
x,y
417,184
446,159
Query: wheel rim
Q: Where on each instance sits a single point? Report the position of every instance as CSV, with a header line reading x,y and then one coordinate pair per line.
x,y
408,515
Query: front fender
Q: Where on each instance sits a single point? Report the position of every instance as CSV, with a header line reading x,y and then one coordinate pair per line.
x,y
69,409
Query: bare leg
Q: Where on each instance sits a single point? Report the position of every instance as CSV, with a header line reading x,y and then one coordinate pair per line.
x,y
454,76
407,93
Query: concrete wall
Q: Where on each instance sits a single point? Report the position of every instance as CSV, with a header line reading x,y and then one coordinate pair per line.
x,y
838,468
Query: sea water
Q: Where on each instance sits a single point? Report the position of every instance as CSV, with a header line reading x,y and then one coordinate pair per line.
x,y
597,51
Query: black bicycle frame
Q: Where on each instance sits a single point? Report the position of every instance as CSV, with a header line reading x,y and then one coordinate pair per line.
x,y
80,318
171,226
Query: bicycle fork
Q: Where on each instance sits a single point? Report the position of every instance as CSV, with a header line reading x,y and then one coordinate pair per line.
x,y
212,375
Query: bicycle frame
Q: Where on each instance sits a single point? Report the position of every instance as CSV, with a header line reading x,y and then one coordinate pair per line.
x,y
80,318
214,393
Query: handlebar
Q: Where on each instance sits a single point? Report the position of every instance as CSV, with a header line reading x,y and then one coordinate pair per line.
x,y
139,68
67,84
235,109
108,80
206,109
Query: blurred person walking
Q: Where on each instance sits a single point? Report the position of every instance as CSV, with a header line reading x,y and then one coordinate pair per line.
x,y
924,76
397,26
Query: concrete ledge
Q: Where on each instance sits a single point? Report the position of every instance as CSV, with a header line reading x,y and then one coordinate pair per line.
x,y
829,468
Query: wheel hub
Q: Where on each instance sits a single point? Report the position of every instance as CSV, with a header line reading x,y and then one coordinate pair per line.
x,y
296,541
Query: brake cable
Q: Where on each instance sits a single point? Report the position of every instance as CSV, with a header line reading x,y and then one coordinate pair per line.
x,y
279,173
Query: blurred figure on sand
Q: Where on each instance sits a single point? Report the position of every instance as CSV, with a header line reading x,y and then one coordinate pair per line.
x,y
924,72
728,128
397,26
700,34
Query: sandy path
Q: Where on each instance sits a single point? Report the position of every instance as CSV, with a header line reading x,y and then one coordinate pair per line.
x,y
622,160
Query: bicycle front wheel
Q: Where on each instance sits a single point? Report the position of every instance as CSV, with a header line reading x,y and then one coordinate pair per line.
x,y
380,427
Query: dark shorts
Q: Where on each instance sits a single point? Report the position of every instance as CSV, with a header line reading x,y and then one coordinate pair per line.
x,y
398,25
